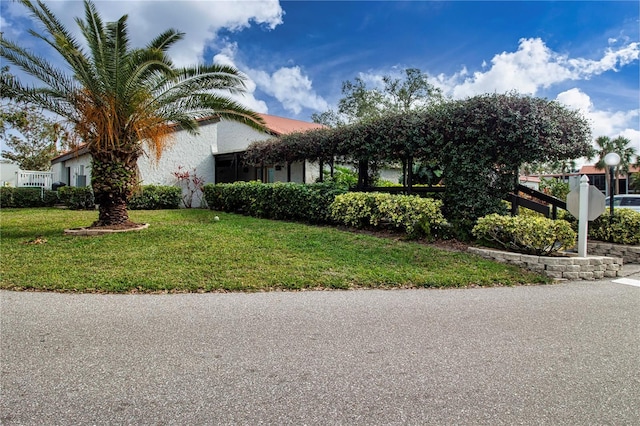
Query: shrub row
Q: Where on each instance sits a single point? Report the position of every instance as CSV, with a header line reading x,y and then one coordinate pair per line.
x,y
156,197
282,201
416,216
27,197
623,229
77,198
525,234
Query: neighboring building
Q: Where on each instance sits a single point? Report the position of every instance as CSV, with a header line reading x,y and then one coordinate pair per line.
x,y
599,180
215,154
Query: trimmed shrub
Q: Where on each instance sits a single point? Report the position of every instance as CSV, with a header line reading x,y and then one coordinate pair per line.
x,y
358,209
50,198
417,217
282,201
156,197
6,196
532,235
77,198
27,197
624,229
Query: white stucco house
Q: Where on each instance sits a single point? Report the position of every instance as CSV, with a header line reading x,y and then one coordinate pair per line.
x,y
215,154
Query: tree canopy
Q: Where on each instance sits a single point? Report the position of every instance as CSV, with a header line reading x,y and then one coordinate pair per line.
x,y
33,139
412,92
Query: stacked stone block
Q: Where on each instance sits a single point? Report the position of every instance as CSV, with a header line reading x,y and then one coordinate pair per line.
x,y
629,254
569,268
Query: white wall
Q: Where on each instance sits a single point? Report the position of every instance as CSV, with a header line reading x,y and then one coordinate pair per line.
x,y
76,164
186,151
8,175
234,137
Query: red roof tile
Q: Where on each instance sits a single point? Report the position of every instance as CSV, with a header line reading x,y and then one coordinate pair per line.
x,y
282,126
590,169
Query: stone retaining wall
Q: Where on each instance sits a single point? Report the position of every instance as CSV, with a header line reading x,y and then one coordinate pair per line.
x,y
630,254
570,268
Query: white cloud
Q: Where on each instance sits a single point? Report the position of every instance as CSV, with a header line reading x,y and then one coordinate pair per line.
x,y
288,85
199,20
532,67
248,99
604,123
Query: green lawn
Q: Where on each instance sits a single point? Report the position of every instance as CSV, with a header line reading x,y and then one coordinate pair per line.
x,y
187,251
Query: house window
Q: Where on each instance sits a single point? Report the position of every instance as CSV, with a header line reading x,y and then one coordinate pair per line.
x,y
81,177
230,168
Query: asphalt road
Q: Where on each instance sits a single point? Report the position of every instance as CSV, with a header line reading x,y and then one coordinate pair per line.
x,y
565,354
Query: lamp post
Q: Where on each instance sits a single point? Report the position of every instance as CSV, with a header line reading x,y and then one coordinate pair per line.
x,y
612,159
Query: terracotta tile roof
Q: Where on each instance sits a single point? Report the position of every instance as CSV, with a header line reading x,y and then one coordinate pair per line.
x,y
282,126
590,169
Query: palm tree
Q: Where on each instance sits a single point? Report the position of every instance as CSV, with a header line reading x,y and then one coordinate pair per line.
x,y
119,99
619,145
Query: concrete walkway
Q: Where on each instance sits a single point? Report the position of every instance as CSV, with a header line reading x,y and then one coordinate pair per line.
x,y
563,354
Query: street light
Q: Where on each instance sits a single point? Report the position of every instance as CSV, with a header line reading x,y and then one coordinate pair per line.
x,y
612,159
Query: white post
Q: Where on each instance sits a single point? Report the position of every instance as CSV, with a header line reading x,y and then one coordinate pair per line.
x,y
583,214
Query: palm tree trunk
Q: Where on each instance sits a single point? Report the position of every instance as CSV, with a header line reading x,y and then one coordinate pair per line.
x,y
112,179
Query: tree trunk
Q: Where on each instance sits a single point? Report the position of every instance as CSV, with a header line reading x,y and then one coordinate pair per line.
x,y
113,178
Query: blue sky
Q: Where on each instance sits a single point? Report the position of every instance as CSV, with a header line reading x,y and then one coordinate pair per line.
x,y
296,54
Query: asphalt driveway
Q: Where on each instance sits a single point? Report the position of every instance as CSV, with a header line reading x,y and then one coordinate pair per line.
x,y
544,355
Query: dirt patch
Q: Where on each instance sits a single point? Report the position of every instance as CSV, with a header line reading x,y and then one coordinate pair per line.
x,y
101,230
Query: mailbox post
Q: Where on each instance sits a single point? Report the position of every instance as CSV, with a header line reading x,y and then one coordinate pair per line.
x,y
586,203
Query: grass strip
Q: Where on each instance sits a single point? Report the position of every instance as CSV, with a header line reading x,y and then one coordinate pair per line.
x,y
187,251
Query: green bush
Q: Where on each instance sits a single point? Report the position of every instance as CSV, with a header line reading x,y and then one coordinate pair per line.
x,y
525,234
282,201
343,177
27,197
417,217
6,196
77,198
624,229
156,197
50,198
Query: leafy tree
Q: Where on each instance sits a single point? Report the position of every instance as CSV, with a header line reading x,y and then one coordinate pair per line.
x,y
411,93
119,99
398,96
329,118
414,93
33,139
619,145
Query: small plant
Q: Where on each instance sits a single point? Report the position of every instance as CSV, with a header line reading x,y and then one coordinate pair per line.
x,y
344,177
191,184
555,188
525,234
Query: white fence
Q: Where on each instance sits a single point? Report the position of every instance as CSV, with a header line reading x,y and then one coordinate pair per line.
x,y
34,179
